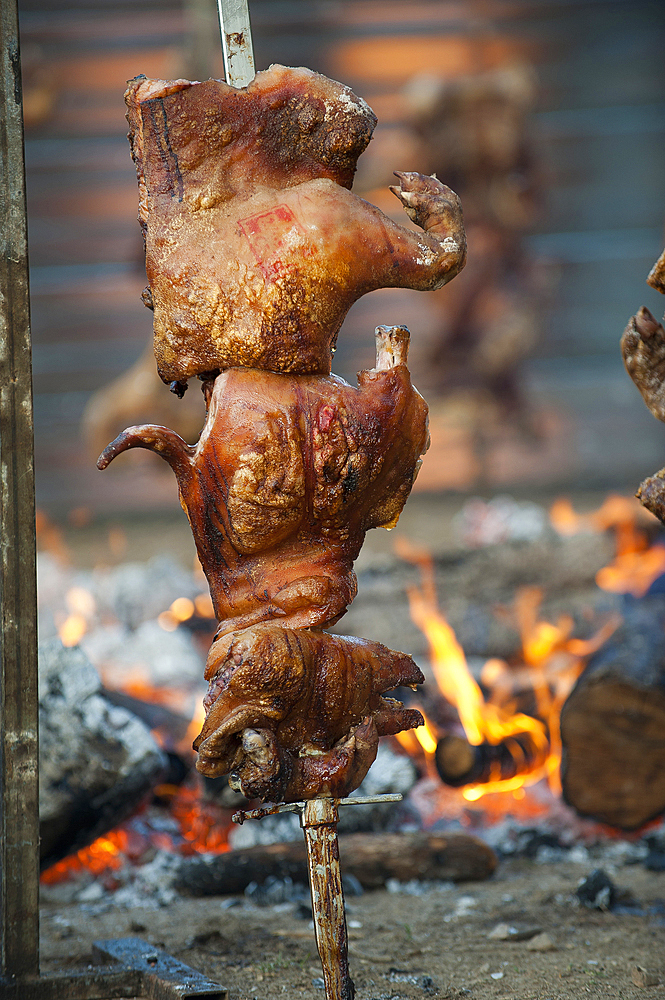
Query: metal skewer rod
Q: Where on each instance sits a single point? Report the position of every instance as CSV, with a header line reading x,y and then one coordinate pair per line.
x,y
237,47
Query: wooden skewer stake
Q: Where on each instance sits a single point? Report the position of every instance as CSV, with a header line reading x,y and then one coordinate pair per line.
x,y
318,818
319,821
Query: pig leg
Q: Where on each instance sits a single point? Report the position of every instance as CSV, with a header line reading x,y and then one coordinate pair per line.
x,y
164,442
268,772
430,259
643,350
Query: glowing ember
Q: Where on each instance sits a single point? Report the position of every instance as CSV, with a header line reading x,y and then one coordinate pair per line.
x,y
107,854
81,606
72,630
203,828
203,605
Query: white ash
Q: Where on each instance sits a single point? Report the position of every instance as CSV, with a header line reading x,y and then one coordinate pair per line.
x,y
162,659
577,841
130,593
54,580
151,885
97,761
137,592
274,891
270,830
390,772
502,519
418,887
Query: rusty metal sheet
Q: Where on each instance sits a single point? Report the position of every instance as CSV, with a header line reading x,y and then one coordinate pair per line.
x,y
100,984
163,977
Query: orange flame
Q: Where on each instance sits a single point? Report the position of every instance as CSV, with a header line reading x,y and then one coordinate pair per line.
x,y
553,659
204,828
637,563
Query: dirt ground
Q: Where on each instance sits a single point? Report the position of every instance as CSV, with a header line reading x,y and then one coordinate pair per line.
x,y
406,946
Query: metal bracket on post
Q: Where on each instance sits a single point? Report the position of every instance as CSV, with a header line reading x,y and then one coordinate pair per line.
x,y
143,970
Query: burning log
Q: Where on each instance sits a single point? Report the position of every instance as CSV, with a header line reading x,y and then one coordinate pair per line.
x,y
460,763
371,857
612,725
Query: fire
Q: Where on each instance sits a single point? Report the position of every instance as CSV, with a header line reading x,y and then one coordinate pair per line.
x,y
82,608
425,736
107,854
183,608
637,563
552,659
203,828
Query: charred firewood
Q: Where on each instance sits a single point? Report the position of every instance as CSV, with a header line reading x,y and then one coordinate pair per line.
x,y
460,763
371,858
97,761
613,725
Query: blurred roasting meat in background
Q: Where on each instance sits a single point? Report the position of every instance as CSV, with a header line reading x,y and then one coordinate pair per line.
x,y
518,108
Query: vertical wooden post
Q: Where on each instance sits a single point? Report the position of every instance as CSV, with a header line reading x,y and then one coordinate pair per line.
x,y
19,840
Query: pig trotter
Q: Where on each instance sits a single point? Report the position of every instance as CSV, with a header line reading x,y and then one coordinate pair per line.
x,y
643,350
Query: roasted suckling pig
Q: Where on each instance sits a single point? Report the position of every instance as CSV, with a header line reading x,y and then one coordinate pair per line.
x,y
255,250
255,246
284,704
289,473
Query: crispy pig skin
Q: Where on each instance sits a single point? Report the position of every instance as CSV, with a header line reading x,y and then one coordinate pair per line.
x,y
296,713
643,351
289,473
255,246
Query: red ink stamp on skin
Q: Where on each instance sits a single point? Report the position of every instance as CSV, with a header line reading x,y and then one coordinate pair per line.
x,y
266,234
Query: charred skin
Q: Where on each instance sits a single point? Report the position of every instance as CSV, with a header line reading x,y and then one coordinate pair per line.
x,y
266,771
260,177
288,475
292,711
